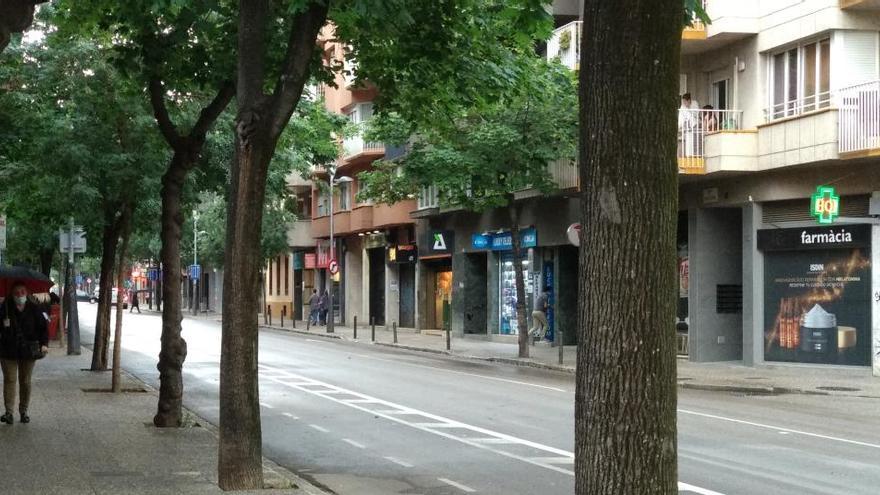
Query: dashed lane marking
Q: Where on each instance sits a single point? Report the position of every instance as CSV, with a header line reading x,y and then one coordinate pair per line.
x,y
267,406
320,428
291,416
461,487
393,412
353,443
399,462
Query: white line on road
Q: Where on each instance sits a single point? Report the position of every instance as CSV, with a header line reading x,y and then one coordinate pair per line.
x,y
780,429
320,428
516,382
399,462
267,406
315,340
696,489
461,487
291,416
352,442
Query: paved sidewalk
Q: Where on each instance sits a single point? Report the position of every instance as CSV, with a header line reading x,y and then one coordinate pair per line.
x,y
82,441
725,376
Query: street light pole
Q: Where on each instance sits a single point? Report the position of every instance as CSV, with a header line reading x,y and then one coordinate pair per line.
x,y
331,315
195,305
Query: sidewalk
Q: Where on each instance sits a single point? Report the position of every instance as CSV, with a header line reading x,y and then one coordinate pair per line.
x,y
768,379
83,441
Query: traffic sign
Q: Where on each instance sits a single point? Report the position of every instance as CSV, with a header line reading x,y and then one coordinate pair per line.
x,y
195,271
333,266
2,232
79,240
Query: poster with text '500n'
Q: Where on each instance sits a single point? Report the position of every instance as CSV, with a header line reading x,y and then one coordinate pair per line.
x,y
817,306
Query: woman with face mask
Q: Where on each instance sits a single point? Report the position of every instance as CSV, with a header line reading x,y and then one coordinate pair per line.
x,y
24,338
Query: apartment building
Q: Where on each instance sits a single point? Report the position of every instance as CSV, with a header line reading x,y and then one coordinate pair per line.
x,y
778,239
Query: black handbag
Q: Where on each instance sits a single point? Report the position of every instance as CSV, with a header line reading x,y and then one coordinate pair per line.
x,y
27,349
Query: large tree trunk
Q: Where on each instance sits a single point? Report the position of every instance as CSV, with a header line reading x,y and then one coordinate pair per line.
x,y
520,280
625,399
125,220
261,119
15,17
173,354
109,241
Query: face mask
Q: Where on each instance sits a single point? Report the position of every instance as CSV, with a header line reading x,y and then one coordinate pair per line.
x,y
20,300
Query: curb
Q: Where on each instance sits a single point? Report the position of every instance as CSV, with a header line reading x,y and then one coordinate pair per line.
x,y
501,360
303,332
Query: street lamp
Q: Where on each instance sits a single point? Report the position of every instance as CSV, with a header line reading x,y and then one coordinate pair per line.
x,y
331,319
196,232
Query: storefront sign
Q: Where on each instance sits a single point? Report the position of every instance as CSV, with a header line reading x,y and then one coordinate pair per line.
x,y
438,242
842,236
322,250
375,240
403,254
825,205
504,241
310,260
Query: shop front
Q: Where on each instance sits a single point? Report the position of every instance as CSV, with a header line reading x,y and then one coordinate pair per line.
x,y
435,279
817,294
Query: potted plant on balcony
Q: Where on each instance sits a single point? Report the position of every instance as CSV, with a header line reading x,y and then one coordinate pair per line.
x,y
565,41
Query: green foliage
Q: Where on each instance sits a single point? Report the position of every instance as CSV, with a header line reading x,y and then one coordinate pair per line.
x,y
693,10
489,152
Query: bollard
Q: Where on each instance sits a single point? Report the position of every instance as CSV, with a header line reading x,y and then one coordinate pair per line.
x,y
558,336
283,311
394,329
355,323
270,316
308,322
448,338
265,317
373,328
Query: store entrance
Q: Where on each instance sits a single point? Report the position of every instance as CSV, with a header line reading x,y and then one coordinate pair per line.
x,y
377,284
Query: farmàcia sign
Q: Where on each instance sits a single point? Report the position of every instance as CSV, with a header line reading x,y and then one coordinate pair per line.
x,y
825,205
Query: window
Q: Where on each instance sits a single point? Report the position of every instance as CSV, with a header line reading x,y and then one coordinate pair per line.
x,y
287,275
721,94
800,79
361,113
344,200
323,205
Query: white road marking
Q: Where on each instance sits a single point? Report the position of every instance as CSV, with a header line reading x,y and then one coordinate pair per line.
x,y
291,416
696,489
320,428
781,429
267,406
516,382
489,436
352,442
461,487
399,462
316,340
555,460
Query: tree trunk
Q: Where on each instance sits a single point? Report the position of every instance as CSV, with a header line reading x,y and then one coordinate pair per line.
x,y
625,399
46,257
125,220
173,353
109,240
521,317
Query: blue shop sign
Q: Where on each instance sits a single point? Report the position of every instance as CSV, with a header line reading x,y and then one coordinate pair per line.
x,y
504,241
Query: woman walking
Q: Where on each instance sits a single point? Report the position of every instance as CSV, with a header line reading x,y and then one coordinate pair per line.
x,y
24,338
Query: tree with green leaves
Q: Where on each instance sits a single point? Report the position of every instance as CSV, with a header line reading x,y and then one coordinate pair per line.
x,y
625,396
182,53
409,48
480,157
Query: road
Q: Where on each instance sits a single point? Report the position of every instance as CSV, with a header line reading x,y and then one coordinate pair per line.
x,y
365,420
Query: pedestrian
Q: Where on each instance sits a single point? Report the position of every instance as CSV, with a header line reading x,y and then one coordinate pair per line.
x,y
24,338
135,303
539,316
313,307
323,304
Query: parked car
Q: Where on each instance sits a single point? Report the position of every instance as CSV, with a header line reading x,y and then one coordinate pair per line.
x,y
114,296
82,295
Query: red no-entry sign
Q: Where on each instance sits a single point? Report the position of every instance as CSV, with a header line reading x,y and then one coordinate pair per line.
x,y
333,266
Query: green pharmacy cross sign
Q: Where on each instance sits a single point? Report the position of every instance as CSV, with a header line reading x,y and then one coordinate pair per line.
x,y
825,205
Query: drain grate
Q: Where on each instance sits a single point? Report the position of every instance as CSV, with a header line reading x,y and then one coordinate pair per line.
x,y
839,389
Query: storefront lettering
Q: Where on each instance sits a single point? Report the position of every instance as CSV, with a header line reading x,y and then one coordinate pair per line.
x,y
830,237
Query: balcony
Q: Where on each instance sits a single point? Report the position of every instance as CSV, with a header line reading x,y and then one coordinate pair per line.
x,y
713,141
565,45
299,234
356,149
731,22
802,131
362,218
341,225
859,120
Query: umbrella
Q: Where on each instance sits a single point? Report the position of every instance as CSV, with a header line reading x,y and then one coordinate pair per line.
x,y
35,281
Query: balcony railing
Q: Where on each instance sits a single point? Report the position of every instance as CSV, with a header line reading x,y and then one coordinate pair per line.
x,y
429,198
798,106
565,45
697,25
859,117
565,174
693,126
355,145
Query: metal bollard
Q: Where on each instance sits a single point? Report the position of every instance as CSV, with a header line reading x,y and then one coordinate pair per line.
x,y
283,311
448,338
559,344
355,323
270,316
373,328
394,329
265,317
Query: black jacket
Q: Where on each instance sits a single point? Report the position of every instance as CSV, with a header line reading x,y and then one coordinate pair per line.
x,y
26,325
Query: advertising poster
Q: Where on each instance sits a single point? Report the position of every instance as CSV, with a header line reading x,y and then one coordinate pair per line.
x,y
817,295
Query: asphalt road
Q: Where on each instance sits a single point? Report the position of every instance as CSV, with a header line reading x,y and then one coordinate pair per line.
x,y
365,420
